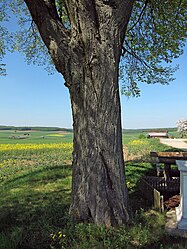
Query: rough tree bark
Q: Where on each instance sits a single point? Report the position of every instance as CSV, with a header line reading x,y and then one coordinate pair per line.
x,y
88,57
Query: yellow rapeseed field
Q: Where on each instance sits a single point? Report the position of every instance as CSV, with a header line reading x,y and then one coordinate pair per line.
x,y
138,142
21,158
11,147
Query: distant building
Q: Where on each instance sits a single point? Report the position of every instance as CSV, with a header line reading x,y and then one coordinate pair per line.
x,y
158,134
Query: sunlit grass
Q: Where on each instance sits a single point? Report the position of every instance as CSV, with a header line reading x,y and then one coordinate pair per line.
x,y
20,158
35,196
36,201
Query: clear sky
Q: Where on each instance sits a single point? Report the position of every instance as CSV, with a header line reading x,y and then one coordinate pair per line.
x,y
31,97
159,105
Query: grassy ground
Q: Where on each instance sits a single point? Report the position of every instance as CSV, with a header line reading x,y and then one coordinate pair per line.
x,y
35,184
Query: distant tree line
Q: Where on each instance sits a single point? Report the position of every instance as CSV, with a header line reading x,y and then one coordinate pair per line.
x,y
149,129
34,128
3,127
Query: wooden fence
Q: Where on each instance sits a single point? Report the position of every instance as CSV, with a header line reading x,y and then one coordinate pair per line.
x,y
151,194
155,188
163,185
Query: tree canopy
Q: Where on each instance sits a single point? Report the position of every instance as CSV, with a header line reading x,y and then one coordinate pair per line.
x,y
156,35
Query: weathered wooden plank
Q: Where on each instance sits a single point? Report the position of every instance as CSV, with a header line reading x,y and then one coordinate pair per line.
x,y
147,190
151,194
168,158
166,154
156,197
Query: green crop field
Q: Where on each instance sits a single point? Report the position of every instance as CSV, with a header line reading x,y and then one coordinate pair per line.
x,y
35,195
6,137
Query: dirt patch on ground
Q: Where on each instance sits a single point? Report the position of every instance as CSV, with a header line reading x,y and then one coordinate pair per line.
x,y
128,156
172,202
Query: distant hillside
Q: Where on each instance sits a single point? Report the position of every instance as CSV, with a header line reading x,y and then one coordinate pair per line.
x,y
149,129
39,128
36,128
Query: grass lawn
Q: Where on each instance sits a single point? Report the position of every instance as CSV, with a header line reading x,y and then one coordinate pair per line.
x,y
35,184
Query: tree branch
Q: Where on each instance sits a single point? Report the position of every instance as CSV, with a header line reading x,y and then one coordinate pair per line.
x,y
51,29
133,53
140,16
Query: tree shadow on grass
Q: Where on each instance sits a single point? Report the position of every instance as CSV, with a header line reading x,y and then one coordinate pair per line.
x,y
134,170
33,206
30,174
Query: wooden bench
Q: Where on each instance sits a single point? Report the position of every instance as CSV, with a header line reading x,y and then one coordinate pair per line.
x,y
168,159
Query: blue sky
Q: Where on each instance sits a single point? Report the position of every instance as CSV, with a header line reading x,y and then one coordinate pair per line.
x,y
31,97
159,105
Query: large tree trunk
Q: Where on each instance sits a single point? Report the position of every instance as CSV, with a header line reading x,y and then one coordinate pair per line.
x,y
88,56
99,191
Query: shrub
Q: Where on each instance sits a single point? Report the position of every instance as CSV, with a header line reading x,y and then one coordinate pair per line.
x,y
142,136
